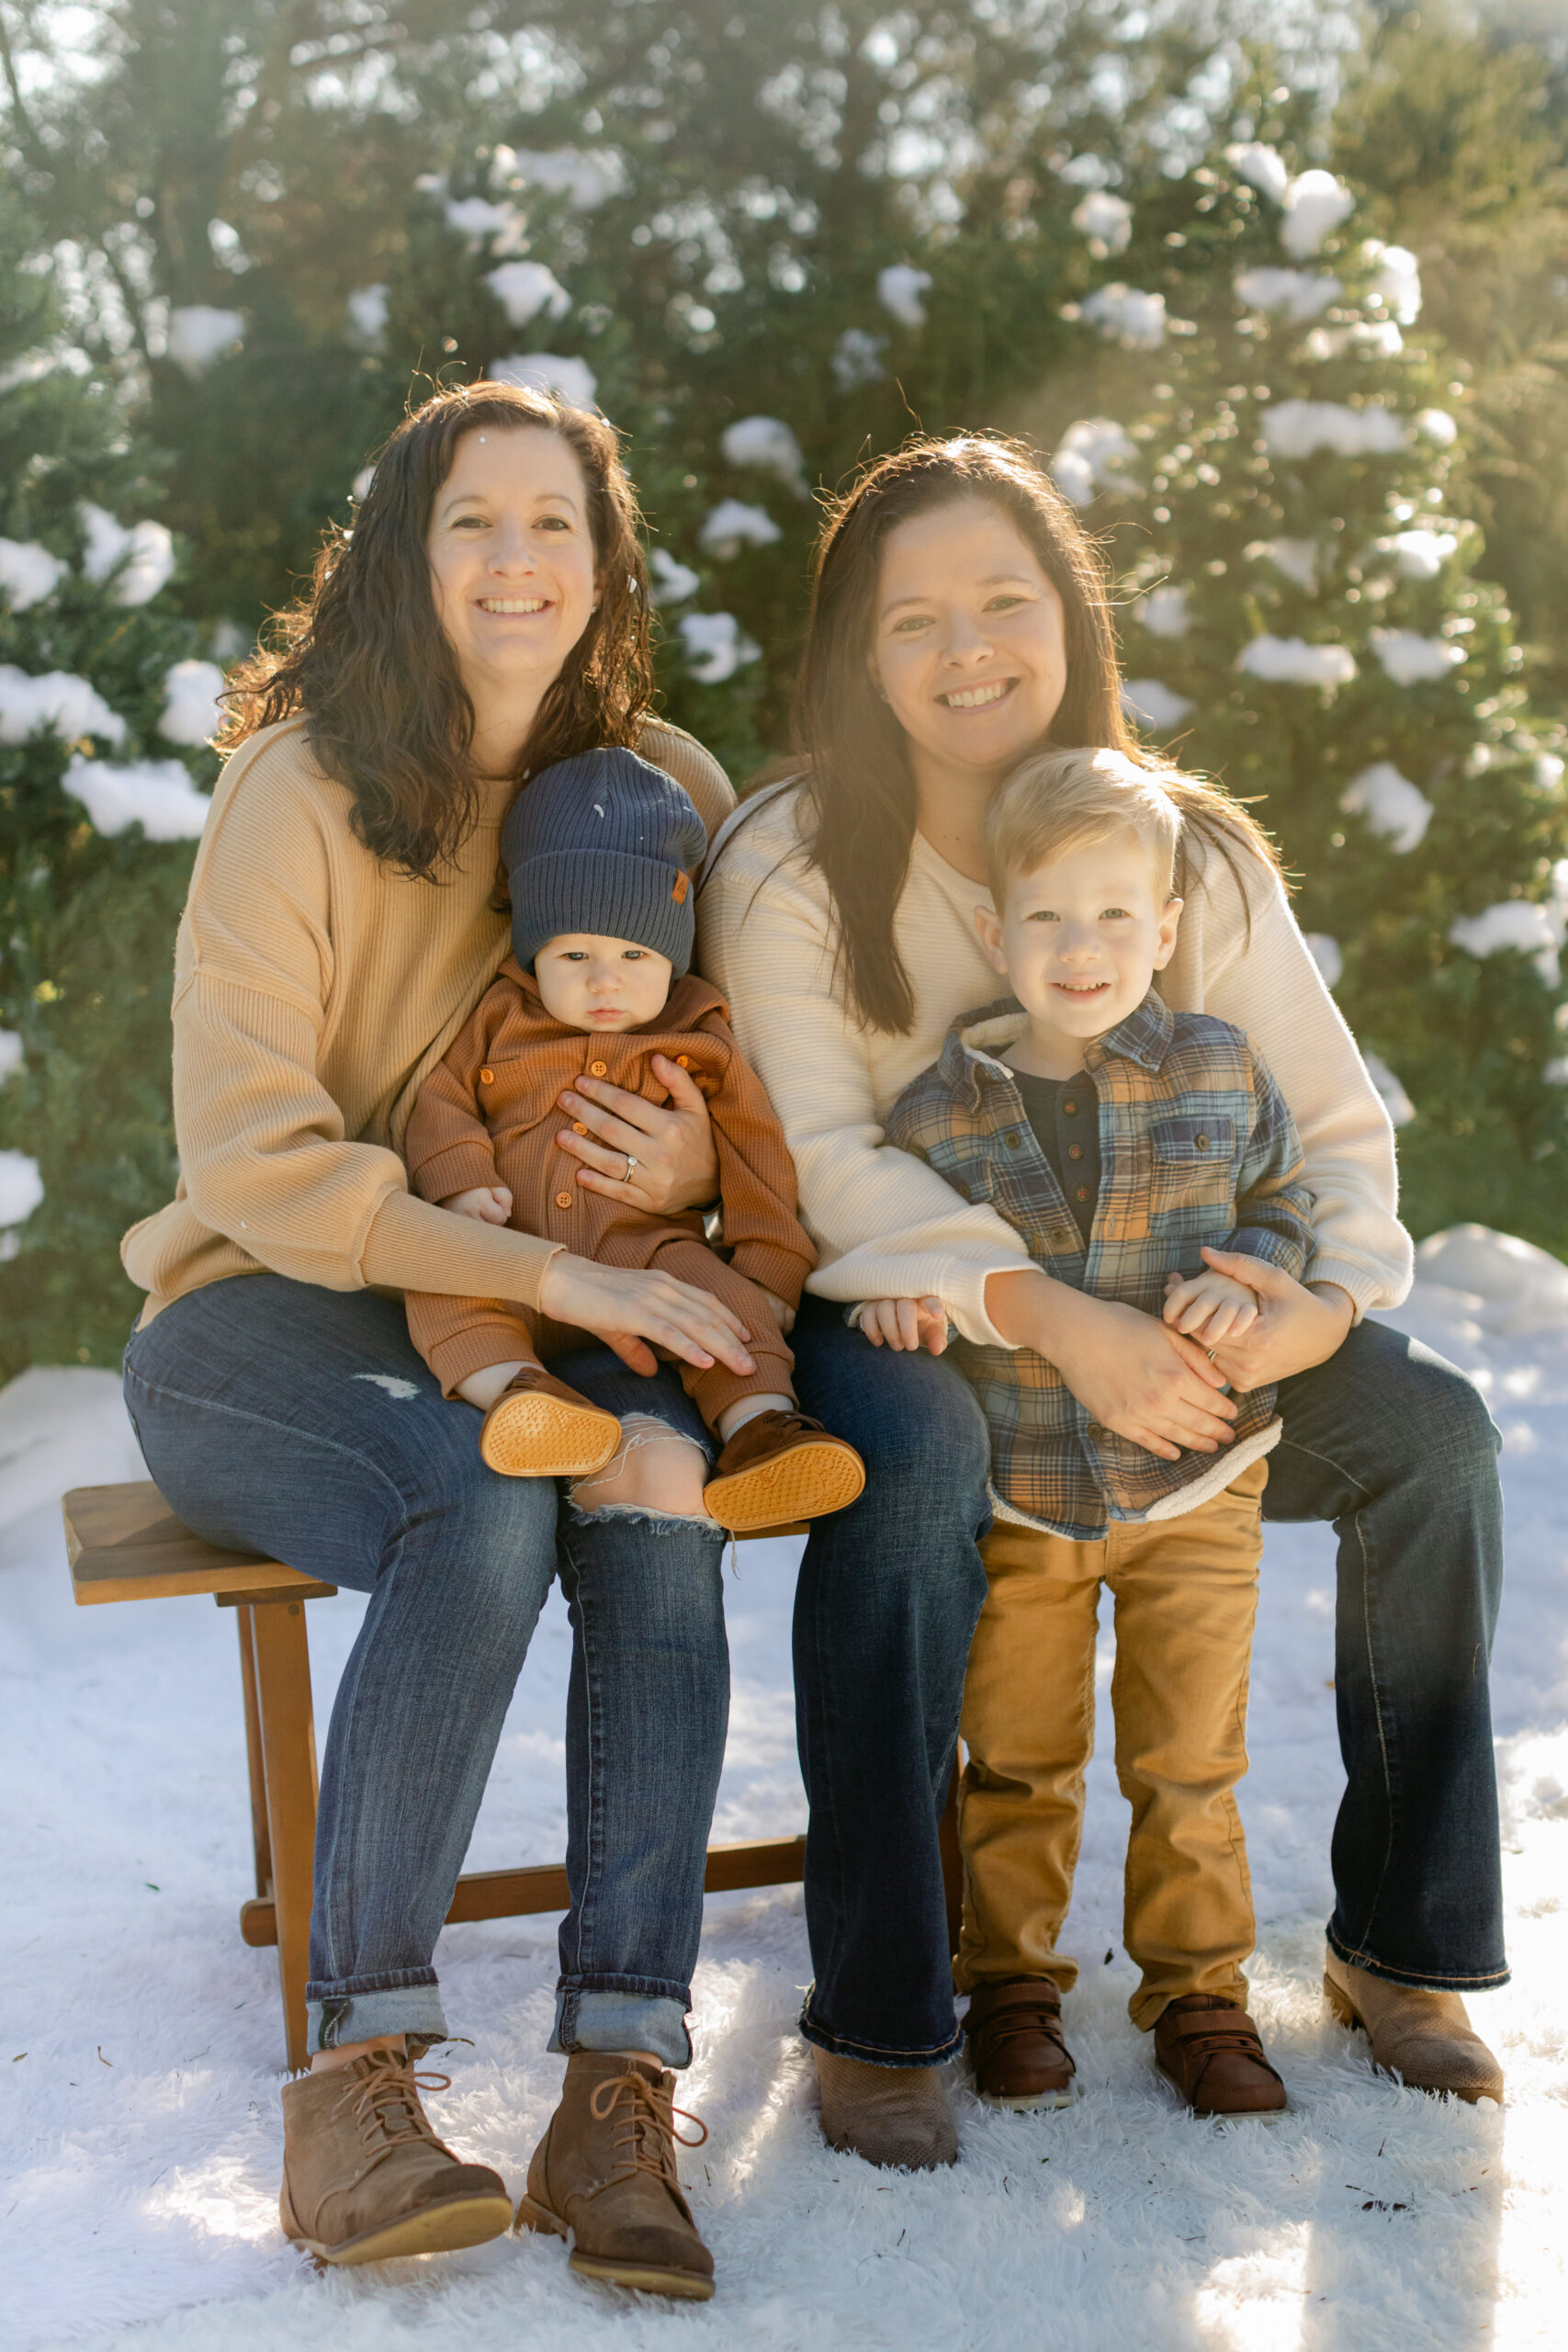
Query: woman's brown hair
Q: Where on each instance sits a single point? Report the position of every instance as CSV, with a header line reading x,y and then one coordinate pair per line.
x,y
859,830
364,659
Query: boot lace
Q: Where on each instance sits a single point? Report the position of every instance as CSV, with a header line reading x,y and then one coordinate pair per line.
x,y
387,2111
646,2138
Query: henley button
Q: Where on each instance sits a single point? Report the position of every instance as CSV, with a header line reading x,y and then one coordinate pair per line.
x,y
1070,1108
1083,1194
597,1069
563,1200
1075,1151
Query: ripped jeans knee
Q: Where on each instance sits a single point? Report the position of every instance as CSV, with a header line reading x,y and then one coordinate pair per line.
x,y
655,1475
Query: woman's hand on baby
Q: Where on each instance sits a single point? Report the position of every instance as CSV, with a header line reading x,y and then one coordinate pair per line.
x,y
677,1167
626,1308
492,1204
1209,1307
906,1325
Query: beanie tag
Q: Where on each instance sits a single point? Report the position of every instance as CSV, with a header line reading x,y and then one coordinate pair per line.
x,y
683,884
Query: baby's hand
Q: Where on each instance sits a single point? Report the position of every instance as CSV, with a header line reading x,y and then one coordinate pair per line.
x,y
906,1324
786,1313
492,1204
1210,1306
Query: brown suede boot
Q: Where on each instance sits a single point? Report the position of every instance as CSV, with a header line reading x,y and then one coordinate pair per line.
x,y
889,2115
538,1428
1426,2038
779,1466
364,2175
1014,2031
606,2173
1210,2049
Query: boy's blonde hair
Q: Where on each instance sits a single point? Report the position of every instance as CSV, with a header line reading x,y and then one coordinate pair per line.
x,y
1058,802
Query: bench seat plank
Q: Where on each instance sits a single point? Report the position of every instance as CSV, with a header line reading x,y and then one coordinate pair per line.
x,y
125,1543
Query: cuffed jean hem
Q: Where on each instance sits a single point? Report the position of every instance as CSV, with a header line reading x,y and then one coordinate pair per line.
x,y
589,2020
340,2018
1482,1980
876,2054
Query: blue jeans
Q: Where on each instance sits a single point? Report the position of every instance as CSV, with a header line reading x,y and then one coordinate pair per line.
x,y
1386,1439
301,1421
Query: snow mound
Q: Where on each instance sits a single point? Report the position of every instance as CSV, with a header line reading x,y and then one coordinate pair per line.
x,y
1154,705
68,706
199,335
564,377
524,288
21,1188
1314,205
766,443
733,526
1300,428
1299,293
1125,314
716,646
857,358
28,574
139,560
190,712
1390,804
1328,955
1292,662
1090,456
1411,660
670,583
1261,167
899,288
157,795
1516,1288
1105,220
1164,612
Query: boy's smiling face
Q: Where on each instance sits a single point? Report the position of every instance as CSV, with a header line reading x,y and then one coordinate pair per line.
x,y
592,984
1079,940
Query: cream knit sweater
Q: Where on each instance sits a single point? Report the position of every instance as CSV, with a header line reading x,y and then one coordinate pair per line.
x,y
887,1225
314,989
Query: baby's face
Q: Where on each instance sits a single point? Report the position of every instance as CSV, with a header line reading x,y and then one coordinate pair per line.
x,y
1080,939
591,984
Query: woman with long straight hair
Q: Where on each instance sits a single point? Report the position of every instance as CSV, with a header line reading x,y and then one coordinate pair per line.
x,y
961,621
487,616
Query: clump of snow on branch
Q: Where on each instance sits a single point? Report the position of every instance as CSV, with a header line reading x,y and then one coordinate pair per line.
x,y
767,444
568,378
28,574
1090,456
190,712
733,526
670,583
1411,660
1164,612
857,358
157,795
1396,282
21,1188
1299,293
1328,955
1395,1102
1314,205
1292,662
139,560
1297,559
1393,806
500,226
10,1054
899,288
1536,931
1154,705
1437,425
716,646
67,706
1300,428
199,336
588,177
1261,167
367,307
1106,221
1125,314
1418,554
524,288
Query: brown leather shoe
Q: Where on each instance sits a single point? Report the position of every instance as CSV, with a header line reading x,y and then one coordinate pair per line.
x,y
1210,2049
364,2175
779,1466
1014,2031
1425,2037
538,1428
889,2115
604,2173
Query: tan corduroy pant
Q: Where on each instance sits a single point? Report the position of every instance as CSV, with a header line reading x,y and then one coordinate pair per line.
x,y
1186,1593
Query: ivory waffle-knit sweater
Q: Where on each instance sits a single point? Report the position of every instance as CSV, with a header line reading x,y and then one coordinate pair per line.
x,y
887,1225
315,988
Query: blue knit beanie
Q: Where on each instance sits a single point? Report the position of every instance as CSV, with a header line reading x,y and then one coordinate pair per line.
x,y
607,843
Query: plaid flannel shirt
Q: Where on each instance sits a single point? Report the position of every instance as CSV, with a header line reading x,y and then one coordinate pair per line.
x,y
1197,1146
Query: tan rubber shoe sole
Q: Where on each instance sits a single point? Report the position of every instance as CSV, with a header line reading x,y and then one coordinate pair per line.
x,y
531,1435
443,2228
648,2277
818,1475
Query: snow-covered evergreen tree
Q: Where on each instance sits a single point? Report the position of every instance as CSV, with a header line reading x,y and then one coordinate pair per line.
x,y
104,702
1308,618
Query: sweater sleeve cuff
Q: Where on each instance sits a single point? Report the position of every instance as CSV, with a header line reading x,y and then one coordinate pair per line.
x,y
461,1168
783,1271
413,1244
491,1338
1368,1291
959,1282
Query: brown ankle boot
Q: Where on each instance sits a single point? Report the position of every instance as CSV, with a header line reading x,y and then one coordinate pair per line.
x,y
889,2115
1425,2037
364,2175
779,1466
1210,2049
1014,2031
605,2172
538,1428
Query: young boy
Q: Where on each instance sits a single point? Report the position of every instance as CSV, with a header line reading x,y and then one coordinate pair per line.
x,y
600,851
1126,1143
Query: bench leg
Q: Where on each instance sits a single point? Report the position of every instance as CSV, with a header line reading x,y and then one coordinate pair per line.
x,y
260,1835
289,1757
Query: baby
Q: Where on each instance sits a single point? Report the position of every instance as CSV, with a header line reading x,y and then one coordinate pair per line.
x,y
601,850
1127,1144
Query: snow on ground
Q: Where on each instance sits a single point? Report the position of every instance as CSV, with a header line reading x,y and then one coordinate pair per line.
x,y
141,2048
